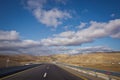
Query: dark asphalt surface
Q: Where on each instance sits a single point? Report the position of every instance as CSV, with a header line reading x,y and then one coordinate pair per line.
x,y
43,72
11,70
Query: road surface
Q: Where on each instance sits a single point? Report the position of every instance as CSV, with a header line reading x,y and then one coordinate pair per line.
x,y
11,70
43,72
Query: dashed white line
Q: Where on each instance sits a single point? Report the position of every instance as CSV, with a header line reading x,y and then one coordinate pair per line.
x,y
45,74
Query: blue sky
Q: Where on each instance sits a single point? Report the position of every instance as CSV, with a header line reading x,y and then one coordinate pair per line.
x,y
66,24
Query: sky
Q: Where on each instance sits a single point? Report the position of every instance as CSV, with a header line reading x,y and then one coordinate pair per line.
x,y
45,27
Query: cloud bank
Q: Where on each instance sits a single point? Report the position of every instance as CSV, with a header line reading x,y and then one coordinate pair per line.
x,y
10,41
94,31
9,35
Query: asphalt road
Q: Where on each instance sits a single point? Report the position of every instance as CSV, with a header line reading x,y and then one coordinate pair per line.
x,y
43,72
11,70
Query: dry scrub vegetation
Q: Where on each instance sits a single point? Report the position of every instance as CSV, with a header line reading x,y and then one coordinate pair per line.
x,y
15,60
105,61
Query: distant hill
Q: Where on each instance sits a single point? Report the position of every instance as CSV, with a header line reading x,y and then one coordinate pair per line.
x,y
100,60
107,61
15,60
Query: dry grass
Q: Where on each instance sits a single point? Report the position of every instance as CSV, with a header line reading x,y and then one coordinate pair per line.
x,y
105,61
14,60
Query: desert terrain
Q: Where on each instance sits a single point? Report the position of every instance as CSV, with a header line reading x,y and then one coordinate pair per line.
x,y
105,61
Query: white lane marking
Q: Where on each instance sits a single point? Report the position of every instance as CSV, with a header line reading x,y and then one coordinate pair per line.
x,y
45,74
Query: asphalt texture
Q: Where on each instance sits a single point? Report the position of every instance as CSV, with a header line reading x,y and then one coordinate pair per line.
x,y
43,72
11,70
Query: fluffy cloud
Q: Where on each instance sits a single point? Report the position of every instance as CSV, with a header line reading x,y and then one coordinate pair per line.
x,y
52,17
10,41
18,44
9,35
94,31
67,34
37,48
82,25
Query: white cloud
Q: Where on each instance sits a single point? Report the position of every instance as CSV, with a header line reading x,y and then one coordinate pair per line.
x,y
94,31
22,46
19,44
9,35
8,46
117,35
67,34
82,25
10,42
52,17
